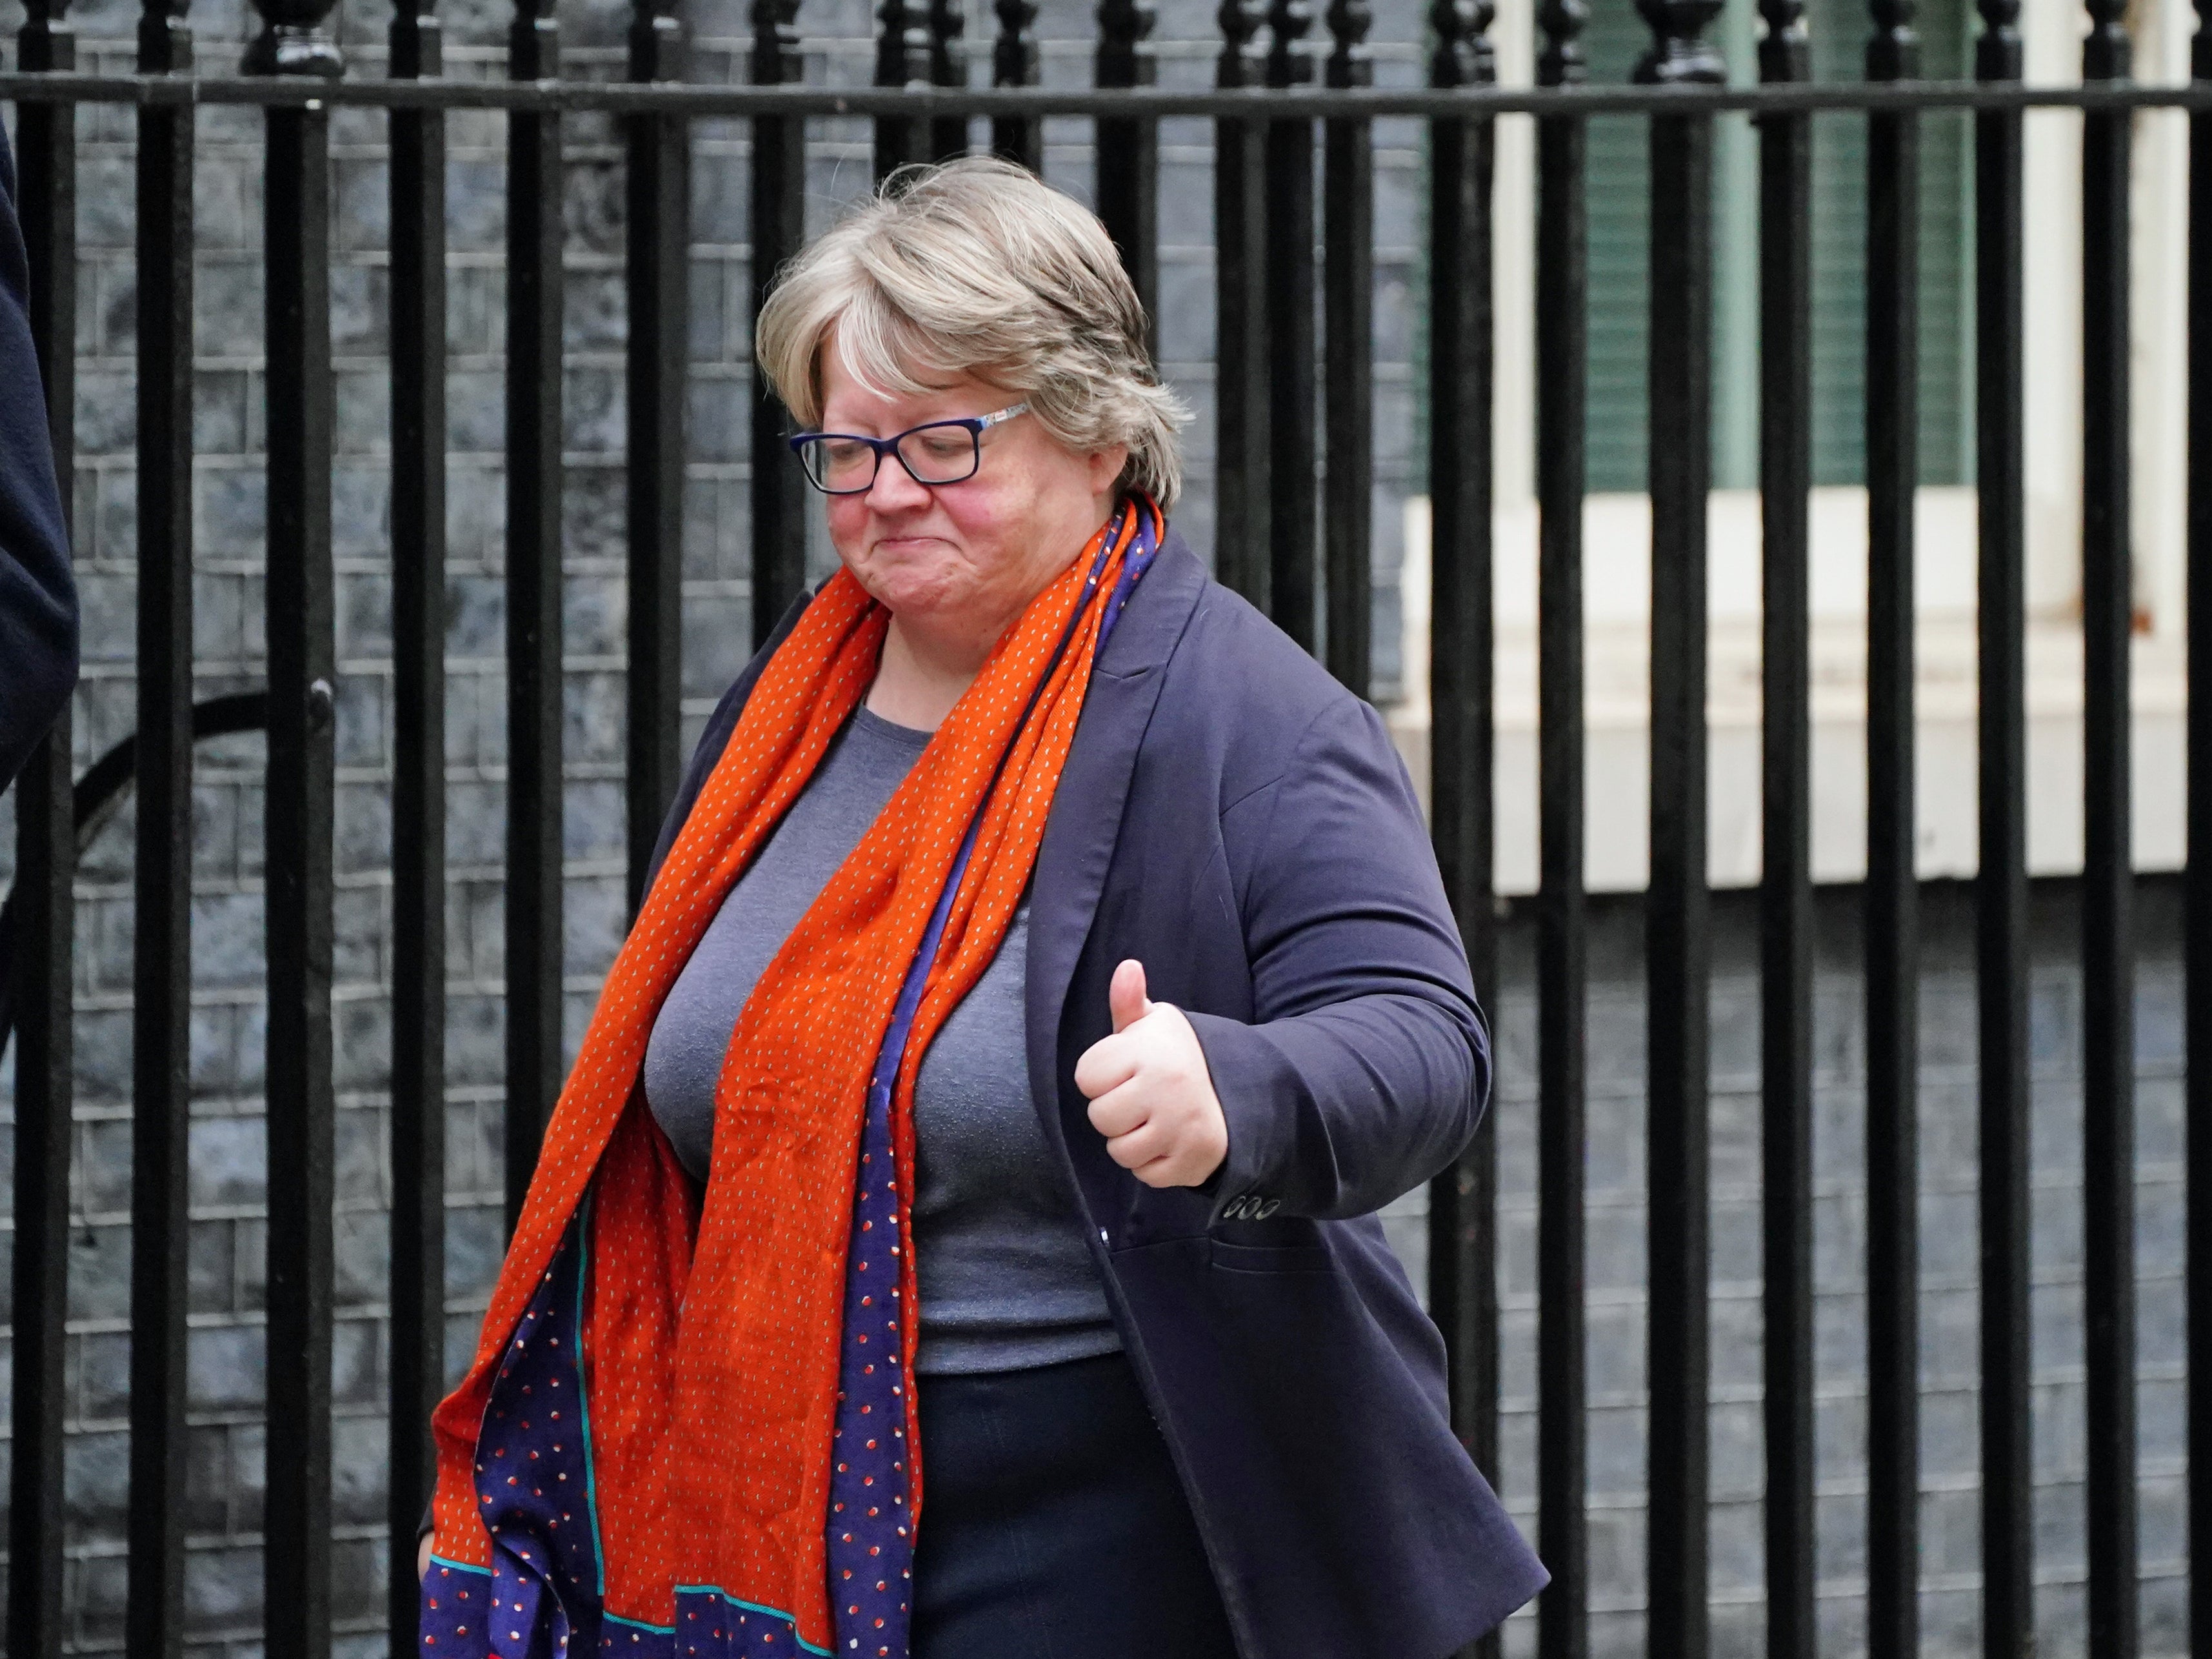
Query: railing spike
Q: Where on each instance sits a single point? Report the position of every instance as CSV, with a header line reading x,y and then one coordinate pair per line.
x,y
535,483
1289,60
1785,54
1240,21
1561,62
299,830
417,1114
948,44
293,40
1787,927
417,40
161,920
1294,465
1462,1258
1893,52
534,41
776,60
1129,152
47,39
2107,51
1350,60
902,59
903,44
1999,53
1014,63
1124,28
1679,54
1014,53
165,38
2110,1498
777,226
1463,56
948,67
656,41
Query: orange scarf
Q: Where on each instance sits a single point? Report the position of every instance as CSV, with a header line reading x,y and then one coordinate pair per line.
x,y
682,1367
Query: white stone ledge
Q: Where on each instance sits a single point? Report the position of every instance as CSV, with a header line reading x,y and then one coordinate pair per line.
x,y
1616,578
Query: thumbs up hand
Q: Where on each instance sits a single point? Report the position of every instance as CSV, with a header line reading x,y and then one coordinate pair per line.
x,y
1151,1094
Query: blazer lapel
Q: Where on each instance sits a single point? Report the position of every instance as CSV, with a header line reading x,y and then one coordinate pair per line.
x,y
1086,810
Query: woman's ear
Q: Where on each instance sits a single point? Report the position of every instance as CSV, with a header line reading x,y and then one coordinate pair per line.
x,y
1106,466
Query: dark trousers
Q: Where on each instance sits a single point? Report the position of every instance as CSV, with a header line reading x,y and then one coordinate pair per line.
x,y
1052,1524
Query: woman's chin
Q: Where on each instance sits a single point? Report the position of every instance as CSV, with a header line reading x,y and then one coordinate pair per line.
x,y
918,596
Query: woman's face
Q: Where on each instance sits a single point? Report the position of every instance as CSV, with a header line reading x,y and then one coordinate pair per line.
x,y
968,557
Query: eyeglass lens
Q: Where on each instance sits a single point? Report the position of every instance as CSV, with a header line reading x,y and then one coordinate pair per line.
x,y
932,454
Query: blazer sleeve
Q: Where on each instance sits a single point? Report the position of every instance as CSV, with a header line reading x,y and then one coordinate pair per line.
x,y
38,599
1367,1063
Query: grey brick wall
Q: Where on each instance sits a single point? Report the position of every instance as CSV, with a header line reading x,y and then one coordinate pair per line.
x,y
227,1242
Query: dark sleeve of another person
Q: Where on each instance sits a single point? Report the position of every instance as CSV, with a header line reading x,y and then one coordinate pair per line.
x,y
38,600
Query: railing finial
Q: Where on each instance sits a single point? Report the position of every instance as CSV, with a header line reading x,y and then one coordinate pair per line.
x,y
1463,55
1014,63
1014,54
1785,54
47,40
1999,53
417,40
1124,27
293,41
1560,61
948,44
776,58
165,38
902,42
1240,21
2107,53
1893,52
1679,54
656,41
1351,62
533,42
1289,62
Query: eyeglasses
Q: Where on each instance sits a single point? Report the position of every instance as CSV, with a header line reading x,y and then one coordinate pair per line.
x,y
941,452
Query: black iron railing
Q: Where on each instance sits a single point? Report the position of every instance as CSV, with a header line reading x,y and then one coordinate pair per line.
x,y
1289,395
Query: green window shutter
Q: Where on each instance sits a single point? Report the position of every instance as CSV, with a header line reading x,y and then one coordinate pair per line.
x,y
1619,185
1839,31
1619,191
1617,196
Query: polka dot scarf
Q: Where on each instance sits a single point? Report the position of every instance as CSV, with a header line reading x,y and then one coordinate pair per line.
x,y
687,1429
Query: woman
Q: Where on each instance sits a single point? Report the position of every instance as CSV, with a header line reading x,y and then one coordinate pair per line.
x,y
1017,769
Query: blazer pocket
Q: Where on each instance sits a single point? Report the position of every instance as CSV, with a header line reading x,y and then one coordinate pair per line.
x,y
1272,1258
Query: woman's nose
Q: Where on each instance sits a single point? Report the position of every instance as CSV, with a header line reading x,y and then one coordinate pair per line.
x,y
894,489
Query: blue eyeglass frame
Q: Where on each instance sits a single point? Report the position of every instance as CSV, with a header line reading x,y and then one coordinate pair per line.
x,y
974,425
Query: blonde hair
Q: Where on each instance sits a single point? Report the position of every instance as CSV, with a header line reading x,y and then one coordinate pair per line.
x,y
978,267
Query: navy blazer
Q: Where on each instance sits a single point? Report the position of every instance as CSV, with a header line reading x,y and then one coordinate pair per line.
x,y
1240,823
38,600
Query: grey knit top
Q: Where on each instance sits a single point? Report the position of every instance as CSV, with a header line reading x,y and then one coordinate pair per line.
x,y
1006,1281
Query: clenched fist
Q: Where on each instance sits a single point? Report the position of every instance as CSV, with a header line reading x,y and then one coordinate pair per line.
x,y
1150,1093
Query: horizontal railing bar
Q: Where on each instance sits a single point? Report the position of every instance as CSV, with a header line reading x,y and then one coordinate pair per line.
x,y
1139,104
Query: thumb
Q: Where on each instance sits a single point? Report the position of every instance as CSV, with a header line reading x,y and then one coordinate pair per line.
x,y
1126,996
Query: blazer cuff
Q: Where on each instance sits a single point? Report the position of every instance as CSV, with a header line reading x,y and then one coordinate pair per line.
x,y
1252,1079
